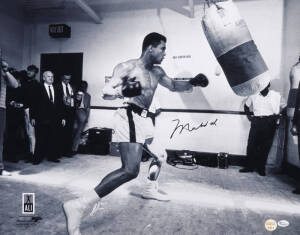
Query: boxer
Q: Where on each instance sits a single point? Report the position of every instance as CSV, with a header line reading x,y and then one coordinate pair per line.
x,y
135,81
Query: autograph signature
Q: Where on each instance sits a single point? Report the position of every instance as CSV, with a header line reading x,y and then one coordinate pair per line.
x,y
187,127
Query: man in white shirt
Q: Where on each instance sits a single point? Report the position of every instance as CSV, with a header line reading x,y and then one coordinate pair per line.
x,y
266,107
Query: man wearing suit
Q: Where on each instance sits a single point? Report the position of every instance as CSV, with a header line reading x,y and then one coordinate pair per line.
x,y
47,117
67,93
82,113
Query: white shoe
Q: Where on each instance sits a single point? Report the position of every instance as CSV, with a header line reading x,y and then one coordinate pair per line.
x,y
74,212
151,192
75,209
5,173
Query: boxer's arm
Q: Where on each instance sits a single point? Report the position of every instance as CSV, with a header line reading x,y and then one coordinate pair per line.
x,y
171,84
113,88
184,84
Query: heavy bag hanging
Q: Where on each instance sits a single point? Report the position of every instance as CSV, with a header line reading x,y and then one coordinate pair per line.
x,y
236,52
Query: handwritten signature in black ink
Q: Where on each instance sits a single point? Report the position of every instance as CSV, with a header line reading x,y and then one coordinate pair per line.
x,y
187,127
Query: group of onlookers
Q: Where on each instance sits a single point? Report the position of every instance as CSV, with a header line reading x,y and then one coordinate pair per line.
x,y
45,119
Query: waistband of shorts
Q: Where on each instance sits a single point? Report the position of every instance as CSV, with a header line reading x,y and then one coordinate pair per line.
x,y
139,110
269,116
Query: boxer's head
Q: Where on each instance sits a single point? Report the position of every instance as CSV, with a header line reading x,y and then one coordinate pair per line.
x,y
155,45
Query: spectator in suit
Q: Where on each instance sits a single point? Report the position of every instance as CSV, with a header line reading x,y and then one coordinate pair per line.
x,y
67,92
29,87
47,117
6,79
82,113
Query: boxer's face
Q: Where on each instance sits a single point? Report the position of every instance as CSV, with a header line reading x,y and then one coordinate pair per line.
x,y
159,52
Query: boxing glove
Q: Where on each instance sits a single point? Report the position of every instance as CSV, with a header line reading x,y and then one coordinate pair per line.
x,y
131,89
199,80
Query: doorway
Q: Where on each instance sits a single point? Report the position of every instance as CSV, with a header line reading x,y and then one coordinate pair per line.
x,y
62,63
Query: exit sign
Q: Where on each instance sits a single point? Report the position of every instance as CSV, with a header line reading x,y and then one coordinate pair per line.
x,y
59,31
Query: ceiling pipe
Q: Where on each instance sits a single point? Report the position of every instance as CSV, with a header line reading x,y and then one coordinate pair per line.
x,y
87,9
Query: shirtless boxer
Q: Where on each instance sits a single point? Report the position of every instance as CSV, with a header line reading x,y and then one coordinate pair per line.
x,y
295,130
136,81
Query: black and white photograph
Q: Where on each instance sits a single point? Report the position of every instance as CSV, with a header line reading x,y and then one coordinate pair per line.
x,y
149,117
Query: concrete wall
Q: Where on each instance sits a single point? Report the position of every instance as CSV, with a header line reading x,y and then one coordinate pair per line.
x,y
119,38
113,41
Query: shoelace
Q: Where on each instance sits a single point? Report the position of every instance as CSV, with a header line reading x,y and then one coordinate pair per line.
x,y
96,207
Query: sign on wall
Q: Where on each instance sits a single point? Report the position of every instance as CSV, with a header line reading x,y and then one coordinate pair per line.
x,y
59,31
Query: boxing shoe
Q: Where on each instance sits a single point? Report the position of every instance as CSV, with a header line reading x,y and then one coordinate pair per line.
x,y
75,210
151,192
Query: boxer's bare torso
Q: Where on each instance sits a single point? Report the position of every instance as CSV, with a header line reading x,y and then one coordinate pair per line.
x,y
148,77
148,73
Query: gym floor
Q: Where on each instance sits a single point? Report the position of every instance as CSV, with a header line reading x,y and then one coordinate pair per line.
x,y
203,201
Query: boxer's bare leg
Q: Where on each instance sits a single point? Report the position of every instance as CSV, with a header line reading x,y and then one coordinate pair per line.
x,y
131,154
151,189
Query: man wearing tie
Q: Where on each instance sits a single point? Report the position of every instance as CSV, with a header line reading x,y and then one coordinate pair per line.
x,y
47,117
67,93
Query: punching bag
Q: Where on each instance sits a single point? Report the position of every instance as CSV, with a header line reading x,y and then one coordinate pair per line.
x,y
232,44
